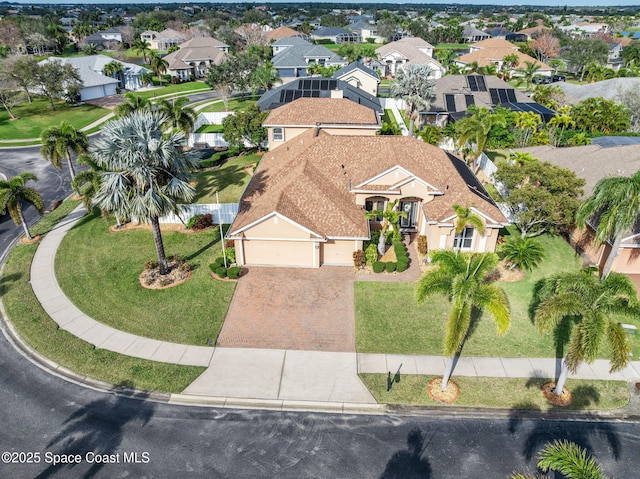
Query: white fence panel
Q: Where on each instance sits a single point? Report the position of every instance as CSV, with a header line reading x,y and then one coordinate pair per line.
x,y
486,165
211,139
225,212
395,106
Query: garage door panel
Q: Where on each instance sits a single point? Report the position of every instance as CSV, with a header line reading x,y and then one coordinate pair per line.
x,y
279,253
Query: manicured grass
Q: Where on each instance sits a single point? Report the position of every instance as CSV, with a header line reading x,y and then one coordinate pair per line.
x,y
235,104
389,117
211,129
37,115
43,335
98,270
452,46
169,89
388,320
229,181
504,393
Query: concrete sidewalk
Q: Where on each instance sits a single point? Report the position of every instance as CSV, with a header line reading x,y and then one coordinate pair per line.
x,y
275,377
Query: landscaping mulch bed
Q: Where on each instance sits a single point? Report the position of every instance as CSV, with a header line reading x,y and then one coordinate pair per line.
x,y
35,239
504,273
177,227
561,400
151,278
449,395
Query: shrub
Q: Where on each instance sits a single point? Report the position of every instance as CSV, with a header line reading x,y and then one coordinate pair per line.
x,y
422,244
231,255
396,235
219,157
523,253
378,267
371,254
398,247
390,266
358,259
200,222
402,266
229,244
234,272
221,272
213,267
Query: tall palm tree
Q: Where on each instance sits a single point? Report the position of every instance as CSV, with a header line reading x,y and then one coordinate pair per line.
x,y
527,122
529,71
615,207
413,86
114,69
567,458
463,277
131,103
590,303
465,217
13,193
476,128
87,182
561,121
178,114
390,217
158,64
59,141
147,171
141,46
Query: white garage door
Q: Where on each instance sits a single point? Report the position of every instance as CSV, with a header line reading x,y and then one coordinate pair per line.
x,y
279,253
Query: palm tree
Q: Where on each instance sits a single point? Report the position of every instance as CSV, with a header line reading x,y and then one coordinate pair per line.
x,y
141,46
614,206
59,141
178,114
413,86
87,182
562,121
265,77
114,69
13,192
147,171
446,57
509,62
590,303
463,277
567,458
476,128
523,253
390,217
131,103
527,122
530,70
465,217
158,64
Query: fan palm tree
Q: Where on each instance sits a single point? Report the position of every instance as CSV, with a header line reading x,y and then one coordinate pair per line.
x,y
13,193
59,141
567,458
390,217
465,217
463,277
158,64
147,172
476,128
590,303
413,86
178,114
615,207
131,103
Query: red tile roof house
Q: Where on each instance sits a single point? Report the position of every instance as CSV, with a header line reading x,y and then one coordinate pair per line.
x,y
305,205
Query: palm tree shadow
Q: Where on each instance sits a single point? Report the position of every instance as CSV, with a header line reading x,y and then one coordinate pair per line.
x,y
536,299
408,463
8,281
98,428
476,316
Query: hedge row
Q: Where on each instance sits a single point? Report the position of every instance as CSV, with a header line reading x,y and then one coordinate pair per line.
x,y
219,157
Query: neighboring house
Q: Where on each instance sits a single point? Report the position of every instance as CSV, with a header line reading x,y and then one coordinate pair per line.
x,y
593,163
470,34
337,116
607,89
453,94
504,34
283,32
493,50
366,30
193,58
316,87
163,40
409,51
533,32
359,76
96,84
336,35
292,57
614,58
584,29
105,39
305,204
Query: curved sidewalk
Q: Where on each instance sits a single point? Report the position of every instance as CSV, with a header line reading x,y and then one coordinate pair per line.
x,y
274,377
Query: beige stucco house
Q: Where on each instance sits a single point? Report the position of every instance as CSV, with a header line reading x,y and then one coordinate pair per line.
x,y
193,58
359,76
305,205
409,51
492,52
337,116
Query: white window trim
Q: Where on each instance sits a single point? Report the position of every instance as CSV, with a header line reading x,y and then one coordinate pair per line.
x,y
278,136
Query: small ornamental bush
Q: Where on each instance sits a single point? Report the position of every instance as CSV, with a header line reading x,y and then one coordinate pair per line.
x,y
219,261
231,255
371,254
199,222
219,157
358,259
390,266
422,244
378,267
401,266
234,272
221,272
213,267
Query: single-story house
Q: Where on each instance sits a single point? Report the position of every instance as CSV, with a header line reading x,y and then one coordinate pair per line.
x,y
359,76
492,52
336,35
409,51
292,57
337,116
453,94
95,84
471,34
593,163
194,57
504,34
305,205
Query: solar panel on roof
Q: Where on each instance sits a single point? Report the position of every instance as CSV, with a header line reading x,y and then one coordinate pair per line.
x,y
482,86
451,102
494,96
469,99
473,85
502,94
304,85
511,95
315,94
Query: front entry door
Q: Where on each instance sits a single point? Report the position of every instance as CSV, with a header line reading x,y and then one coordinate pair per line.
x,y
408,207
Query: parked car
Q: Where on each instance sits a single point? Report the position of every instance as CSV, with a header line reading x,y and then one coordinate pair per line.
x,y
556,78
540,80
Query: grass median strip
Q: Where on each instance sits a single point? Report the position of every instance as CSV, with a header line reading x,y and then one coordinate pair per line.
x,y
43,335
503,393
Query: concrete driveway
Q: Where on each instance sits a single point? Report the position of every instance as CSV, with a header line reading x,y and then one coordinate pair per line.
x,y
292,308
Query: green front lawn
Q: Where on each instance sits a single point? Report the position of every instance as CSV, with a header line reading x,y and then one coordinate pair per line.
x,y
43,335
98,270
211,129
170,89
235,104
388,320
229,180
504,393
36,116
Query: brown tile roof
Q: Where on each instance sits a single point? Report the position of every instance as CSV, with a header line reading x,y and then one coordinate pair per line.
x,y
196,49
311,111
280,32
496,49
308,180
410,47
